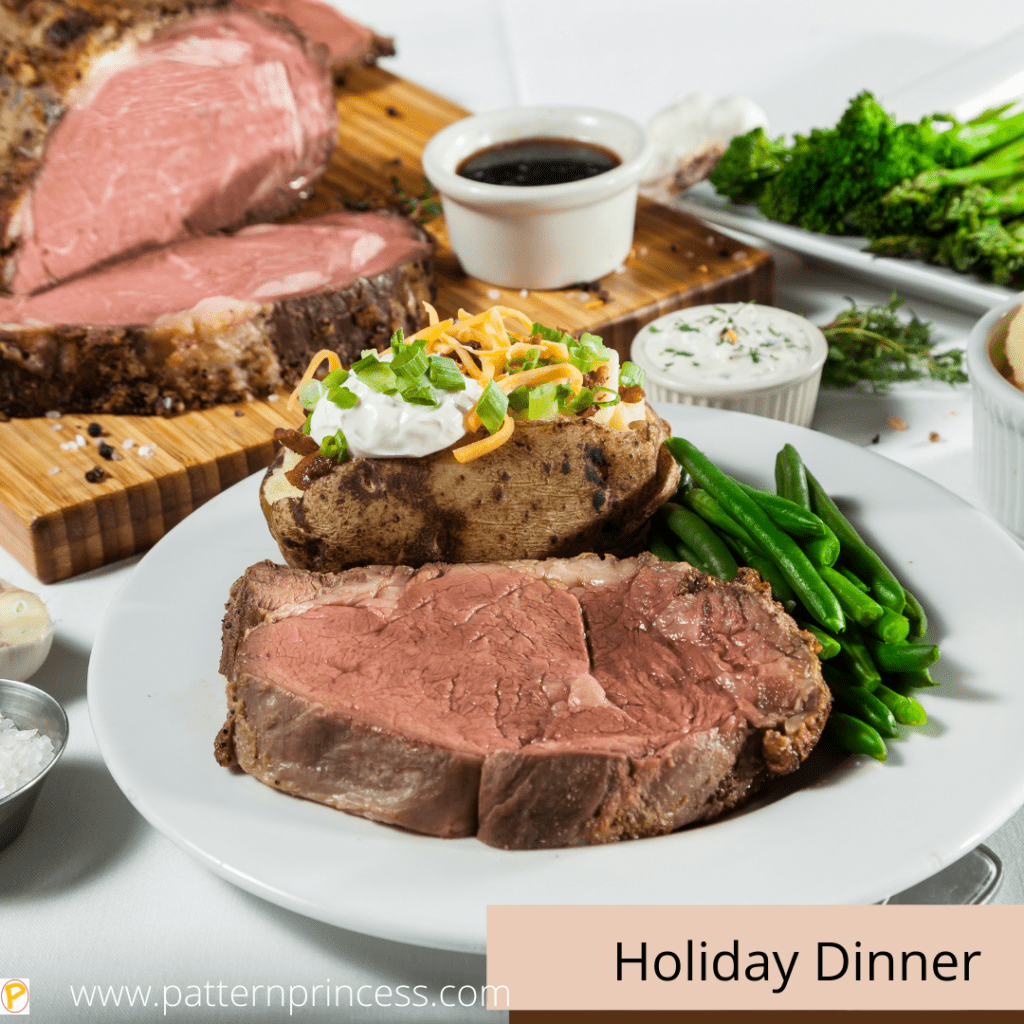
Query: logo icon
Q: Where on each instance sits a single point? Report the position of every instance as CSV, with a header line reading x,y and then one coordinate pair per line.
x,y
13,995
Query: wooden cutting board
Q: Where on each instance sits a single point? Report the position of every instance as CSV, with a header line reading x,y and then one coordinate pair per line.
x,y
58,524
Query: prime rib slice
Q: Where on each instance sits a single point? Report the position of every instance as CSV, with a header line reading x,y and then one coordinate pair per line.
x,y
128,124
348,43
214,319
532,704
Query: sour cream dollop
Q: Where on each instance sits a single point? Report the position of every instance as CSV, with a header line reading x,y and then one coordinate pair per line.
x,y
382,426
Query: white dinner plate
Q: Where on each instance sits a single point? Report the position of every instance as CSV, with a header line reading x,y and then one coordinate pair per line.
x,y
855,833
913,277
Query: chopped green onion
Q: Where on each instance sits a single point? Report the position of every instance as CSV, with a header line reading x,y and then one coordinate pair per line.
x,y
335,377
519,399
417,392
491,407
369,359
342,397
310,394
529,361
631,376
583,401
552,334
397,340
305,426
444,373
614,400
596,345
334,447
410,361
543,401
377,376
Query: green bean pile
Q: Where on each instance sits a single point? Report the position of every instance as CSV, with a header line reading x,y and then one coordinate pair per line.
x,y
869,626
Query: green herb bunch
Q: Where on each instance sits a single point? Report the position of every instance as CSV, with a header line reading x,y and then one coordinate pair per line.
x,y
876,346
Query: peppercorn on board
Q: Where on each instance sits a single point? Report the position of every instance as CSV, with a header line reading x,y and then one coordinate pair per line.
x,y
155,471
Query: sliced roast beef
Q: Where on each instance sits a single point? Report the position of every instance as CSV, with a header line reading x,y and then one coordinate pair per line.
x,y
128,124
347,42
214,319
532,704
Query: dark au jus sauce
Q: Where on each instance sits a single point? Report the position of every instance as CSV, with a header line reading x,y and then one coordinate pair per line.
x,y
538,161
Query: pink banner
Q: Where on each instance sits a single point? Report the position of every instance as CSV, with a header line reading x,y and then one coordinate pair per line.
x,y
756,958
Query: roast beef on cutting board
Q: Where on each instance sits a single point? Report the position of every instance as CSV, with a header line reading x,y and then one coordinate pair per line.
x,y
532,704
214,319
128,124
347,42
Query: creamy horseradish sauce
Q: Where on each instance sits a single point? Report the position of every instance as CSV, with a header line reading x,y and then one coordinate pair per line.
x,y
386,426
733,343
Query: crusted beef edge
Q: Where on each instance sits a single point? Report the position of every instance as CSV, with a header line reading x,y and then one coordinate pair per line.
x,y
46,48
573,799
140,370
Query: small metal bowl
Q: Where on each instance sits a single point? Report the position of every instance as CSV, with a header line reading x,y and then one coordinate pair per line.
x,y
29,708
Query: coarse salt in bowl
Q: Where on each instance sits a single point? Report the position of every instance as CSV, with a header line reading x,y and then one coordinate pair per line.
x,y
740,356
998,415
33,735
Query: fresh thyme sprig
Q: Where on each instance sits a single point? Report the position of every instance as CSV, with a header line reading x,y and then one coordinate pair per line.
x,y
875,346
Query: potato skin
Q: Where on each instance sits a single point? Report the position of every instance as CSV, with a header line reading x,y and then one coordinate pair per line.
x,y
557,488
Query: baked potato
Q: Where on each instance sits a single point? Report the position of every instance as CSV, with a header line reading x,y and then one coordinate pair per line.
x,y
556,488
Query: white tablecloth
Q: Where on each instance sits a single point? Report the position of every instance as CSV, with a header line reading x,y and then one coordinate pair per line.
x,y
91,895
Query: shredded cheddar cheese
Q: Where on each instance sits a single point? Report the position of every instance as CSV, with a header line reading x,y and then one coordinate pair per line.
x,y
492,346
333,362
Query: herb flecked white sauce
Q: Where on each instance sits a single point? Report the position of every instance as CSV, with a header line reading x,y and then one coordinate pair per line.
x,y
733,342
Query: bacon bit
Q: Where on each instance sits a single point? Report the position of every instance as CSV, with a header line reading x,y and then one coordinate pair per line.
x,y
309,469
298,442
934,436
632,394
897,423
96,474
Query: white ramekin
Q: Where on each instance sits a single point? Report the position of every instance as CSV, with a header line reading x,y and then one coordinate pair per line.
x,y
539,236
998,426
789,396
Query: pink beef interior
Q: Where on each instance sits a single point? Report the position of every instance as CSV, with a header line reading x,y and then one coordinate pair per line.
x,y
488,658
259,264
345,39
213,119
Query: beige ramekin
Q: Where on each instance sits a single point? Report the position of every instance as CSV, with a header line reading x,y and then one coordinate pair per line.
x,y
998,424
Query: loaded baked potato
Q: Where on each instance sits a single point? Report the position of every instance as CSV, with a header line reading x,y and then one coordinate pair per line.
x,y
587,478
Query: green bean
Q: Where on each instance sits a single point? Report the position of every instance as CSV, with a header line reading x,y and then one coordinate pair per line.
x,y
866,706
829,644
901,682
891,627
856,736
902,657
861,607
778,546
662,550
709,509
823,550
702,540
905,710
857,658
862,559
915,613
688,555
854,579
787,515
748,555
791,477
